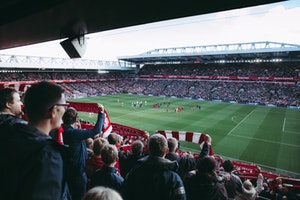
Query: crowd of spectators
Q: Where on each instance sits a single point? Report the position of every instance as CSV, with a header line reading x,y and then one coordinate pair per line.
x,y
263,93
8,76
288,69
279,93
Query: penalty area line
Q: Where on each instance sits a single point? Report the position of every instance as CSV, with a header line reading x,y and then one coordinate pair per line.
x,y
283,125
229,133
269,141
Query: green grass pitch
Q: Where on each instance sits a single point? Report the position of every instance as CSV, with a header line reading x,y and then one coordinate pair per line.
x,y
267,136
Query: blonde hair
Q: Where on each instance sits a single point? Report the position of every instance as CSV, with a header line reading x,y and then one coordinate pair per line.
x,y
102,193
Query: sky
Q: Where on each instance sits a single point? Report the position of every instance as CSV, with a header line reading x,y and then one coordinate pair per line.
x,y
277,22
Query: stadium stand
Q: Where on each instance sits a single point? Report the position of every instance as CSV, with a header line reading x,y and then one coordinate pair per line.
x,y
273,84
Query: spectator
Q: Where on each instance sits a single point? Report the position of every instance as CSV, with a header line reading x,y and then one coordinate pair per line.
x,y
173,147
35,167
128,161
186,162
89,142
249,191
268,193
95,162
10,107
233,183
116,140
205,183
279,190
154,177
206,148
102,193
75,138
108,175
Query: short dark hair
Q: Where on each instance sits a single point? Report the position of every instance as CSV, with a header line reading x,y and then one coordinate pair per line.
x,y
109,154
172,144
157,145
6,96
228,166
40,97
70,116
113,138
207,165
137,147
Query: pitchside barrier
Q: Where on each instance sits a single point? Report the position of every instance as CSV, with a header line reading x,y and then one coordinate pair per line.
x,y
187,136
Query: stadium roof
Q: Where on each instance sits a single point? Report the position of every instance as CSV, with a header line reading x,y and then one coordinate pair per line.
x,y
26,22
36,63
238,52
222,53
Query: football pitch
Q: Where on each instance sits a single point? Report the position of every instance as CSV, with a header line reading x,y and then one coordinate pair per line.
x,y
267,136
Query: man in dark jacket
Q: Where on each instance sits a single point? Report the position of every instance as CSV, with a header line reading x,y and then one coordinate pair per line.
x,y
187,163
31,161
233,183
154,177
75,137
129,159
205,184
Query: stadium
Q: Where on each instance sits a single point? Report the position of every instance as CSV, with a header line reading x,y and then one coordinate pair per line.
x,y
246,96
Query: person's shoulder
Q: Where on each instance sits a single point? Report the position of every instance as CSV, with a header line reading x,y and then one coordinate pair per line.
x,y
124,155
8,119
51,148
23,133
172,156
53,152
234,176
192,179
67,128
173,174
32,134
35,142
36,138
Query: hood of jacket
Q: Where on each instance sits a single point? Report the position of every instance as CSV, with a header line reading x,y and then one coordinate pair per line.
x,y
22,134
31,132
